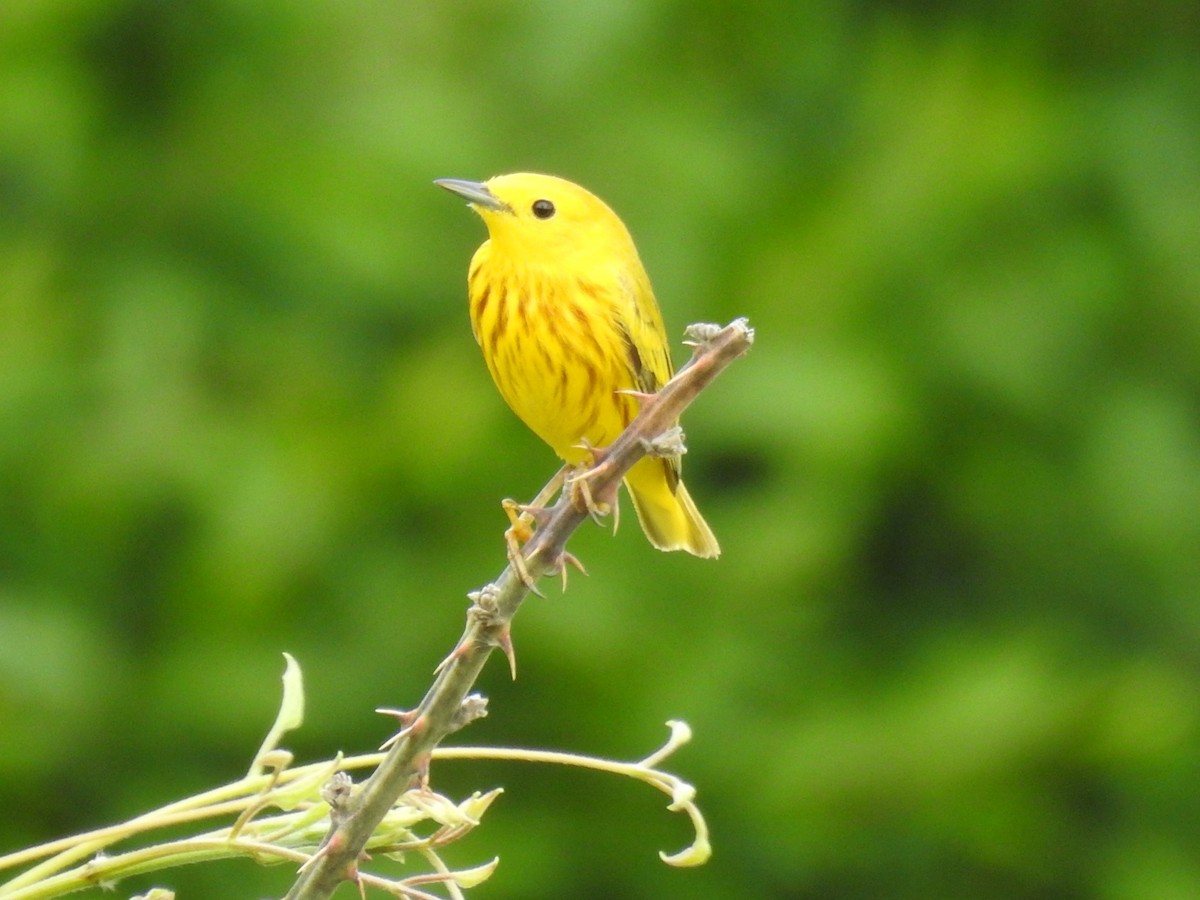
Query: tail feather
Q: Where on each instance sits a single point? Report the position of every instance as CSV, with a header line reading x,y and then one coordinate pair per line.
x,y
669,520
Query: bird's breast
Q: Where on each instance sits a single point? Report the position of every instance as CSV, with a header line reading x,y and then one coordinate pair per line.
x,y
554,346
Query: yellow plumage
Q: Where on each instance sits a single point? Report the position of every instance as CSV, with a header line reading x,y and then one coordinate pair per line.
x,y
563,311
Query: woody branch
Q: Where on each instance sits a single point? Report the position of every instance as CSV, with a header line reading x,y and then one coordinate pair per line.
x,y
447,705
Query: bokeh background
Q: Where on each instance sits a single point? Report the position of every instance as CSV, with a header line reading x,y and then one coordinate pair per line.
x,y
952,648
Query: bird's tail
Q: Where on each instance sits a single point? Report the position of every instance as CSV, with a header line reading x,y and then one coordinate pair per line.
x,y
669,519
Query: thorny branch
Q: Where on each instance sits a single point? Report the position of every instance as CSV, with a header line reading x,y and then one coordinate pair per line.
x,y
442,710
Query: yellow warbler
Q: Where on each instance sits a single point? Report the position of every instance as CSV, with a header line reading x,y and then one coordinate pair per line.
x,y
564,313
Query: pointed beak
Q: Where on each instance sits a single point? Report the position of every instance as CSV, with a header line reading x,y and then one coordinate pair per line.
x,y
474,192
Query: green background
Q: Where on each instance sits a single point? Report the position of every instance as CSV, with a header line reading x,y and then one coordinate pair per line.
x,y
952,648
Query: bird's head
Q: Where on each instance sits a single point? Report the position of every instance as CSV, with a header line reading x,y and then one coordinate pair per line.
x,y
541,219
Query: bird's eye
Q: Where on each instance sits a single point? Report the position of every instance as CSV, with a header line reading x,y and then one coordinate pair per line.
x,y
543,209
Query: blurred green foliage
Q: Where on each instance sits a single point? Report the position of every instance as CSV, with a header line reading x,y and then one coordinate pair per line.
x,y
952,648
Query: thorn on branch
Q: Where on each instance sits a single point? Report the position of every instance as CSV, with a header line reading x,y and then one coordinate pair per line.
x,y
416,722
505,643
640,396
485,613
404,716
482,613
565,559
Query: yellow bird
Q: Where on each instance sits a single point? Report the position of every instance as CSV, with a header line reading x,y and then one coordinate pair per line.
x,y
567,321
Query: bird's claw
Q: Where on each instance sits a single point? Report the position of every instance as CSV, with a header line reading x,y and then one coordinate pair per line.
x,y
581,496
597,507
525,518
579,483
522,520
522,515
516,558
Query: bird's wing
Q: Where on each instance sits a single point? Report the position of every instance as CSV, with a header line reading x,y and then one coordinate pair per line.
x,y
646,348
645,337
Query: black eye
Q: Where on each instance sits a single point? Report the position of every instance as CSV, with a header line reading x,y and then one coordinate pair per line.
x,y
543,209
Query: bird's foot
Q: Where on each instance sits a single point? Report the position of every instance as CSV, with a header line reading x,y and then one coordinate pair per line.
x,y
523,519
595,504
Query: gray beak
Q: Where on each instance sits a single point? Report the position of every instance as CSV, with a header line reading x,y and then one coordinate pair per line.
x,y
474,192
